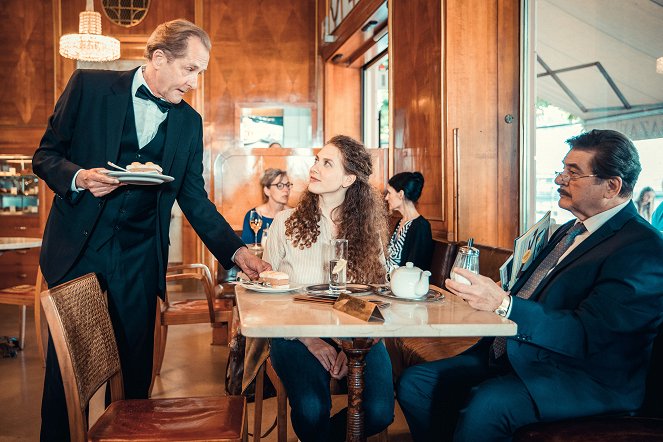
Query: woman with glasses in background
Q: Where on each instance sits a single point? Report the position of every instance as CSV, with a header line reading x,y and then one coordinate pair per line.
x,y
275,193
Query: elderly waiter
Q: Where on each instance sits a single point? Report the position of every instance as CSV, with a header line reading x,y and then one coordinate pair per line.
x,y
98,224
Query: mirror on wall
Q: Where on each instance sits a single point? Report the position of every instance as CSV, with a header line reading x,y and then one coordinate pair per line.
x,y
287,126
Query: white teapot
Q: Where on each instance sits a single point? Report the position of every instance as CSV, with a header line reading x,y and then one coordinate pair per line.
x,y
409,281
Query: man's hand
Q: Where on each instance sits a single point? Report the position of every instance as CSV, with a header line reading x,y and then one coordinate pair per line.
x,y
340,368
323,352
96,181
250,263
483,294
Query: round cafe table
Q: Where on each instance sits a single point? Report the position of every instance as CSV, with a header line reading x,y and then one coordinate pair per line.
x,y
16,243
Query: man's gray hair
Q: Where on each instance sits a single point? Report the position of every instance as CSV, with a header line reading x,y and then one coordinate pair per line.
x,y
172,38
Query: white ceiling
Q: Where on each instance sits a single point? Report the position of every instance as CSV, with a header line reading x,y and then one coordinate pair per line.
x,y
625,36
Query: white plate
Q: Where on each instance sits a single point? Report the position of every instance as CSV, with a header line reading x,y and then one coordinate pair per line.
x,y
264,289
140,178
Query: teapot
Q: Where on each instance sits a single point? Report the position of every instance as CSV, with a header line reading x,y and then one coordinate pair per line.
x,y
409,281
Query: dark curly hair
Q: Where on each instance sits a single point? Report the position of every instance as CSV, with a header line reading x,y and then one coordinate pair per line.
x,y
361,218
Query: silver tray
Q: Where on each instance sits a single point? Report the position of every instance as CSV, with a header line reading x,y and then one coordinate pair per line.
x,y
432,296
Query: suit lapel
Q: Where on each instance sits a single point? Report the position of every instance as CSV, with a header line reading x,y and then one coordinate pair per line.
x,y
173,132
612,226
116,111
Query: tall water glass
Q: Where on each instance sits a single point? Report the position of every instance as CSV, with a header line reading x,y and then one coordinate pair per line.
x,y
338,265
467,258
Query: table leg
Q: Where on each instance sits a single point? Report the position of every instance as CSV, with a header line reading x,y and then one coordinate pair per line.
x,y
356,350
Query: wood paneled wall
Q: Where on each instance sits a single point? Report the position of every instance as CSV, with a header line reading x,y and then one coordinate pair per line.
x,y
26,67
455,70
482,88
415,65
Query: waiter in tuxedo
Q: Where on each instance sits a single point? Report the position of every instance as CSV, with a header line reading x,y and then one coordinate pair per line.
x,y
118,231
588,310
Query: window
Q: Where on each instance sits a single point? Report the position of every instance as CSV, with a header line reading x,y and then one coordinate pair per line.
x,y
376,102
591,67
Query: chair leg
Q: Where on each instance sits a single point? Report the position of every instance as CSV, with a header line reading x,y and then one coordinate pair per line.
x,y
257,413
162,347
156,347
21,326
281,403
41,332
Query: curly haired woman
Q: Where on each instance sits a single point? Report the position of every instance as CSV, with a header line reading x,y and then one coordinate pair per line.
x,y
339,203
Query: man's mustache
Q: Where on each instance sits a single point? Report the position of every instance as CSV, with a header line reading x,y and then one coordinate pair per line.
x,y
562,192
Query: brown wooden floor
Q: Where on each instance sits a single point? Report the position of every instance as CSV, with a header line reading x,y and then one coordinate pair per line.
x,y
188,352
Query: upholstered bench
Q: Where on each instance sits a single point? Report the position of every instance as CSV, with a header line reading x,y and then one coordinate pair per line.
x,y
405,352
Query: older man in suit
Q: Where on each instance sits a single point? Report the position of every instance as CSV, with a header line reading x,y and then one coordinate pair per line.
x,y
587,311
100,224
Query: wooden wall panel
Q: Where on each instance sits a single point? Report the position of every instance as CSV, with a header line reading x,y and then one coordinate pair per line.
x,y
416,98
481,88
26,67
263,52
342,101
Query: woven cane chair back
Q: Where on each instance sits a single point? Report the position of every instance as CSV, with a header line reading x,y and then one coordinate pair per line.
x,y
77,314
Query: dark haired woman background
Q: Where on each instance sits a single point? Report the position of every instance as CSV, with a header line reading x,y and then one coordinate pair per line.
x,y
411,240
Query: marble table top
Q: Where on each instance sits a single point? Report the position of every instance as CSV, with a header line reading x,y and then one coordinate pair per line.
x,y
15,243
277,315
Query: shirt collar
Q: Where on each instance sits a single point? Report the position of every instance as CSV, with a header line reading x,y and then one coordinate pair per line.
x,y
593,223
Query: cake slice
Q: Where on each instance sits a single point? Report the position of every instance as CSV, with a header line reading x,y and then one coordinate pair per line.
x,y
148,167
275,279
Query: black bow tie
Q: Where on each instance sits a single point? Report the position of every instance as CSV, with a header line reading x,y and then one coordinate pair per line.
x,y
145,94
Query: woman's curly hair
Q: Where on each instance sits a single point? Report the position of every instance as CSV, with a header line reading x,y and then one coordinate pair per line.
x,y
361,218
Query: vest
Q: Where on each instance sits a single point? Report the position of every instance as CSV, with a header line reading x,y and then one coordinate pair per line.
x,y
130,212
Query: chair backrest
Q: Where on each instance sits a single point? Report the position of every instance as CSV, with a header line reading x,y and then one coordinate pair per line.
x,y
77,315
491,259
198,272
653,403
444,253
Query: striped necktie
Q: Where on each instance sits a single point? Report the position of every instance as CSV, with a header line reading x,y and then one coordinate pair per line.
x,y
550,261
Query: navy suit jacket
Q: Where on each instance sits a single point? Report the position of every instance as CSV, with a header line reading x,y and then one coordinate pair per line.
x,y
84,132
585,336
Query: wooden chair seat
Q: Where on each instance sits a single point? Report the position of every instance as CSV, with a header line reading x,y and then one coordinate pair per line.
x,y
178,419
196,311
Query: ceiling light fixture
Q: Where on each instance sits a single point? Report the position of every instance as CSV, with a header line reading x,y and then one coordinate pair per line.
x,y
89,44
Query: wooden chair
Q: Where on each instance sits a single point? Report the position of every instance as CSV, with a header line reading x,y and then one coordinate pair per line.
x,y
77,314
27,296
192,311
281,401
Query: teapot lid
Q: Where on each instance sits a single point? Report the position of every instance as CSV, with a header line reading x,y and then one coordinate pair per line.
x,y
409,268
466,250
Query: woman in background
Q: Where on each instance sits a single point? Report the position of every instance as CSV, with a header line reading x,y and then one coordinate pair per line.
x,y
411,240
645,203
339,203
275,193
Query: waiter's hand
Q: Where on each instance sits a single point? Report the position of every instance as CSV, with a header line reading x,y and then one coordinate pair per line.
x,y
483,294
250,263
96,181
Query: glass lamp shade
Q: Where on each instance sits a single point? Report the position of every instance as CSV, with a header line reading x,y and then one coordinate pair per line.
x,y
89,44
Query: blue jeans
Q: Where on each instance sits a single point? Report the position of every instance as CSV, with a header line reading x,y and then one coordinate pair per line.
x,y
307,384
465,399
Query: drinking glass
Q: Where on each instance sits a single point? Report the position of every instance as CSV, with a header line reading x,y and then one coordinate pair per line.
x,y
255,221
467,258
338,264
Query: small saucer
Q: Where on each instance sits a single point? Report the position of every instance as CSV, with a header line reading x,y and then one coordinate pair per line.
x,y
432,296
